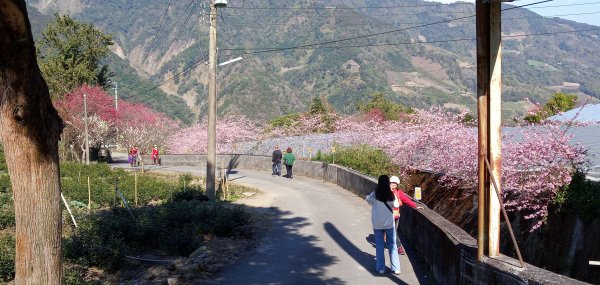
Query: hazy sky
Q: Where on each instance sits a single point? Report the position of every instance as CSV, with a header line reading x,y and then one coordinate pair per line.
x,y
560,8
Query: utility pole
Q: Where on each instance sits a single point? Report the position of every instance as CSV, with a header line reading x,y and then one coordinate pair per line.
x,y
211,157
116,96
87,140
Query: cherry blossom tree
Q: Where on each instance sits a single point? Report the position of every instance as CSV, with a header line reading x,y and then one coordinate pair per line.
x,y
230,131
537,161
133,124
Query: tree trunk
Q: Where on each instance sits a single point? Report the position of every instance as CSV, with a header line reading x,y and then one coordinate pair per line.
x,y
30,128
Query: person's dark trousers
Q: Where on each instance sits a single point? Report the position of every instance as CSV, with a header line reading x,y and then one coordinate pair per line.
x,y
288,169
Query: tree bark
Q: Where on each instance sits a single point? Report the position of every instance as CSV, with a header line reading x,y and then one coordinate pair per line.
x,y
30,128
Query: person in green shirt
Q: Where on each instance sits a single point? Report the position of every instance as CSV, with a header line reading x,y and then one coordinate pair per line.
x,y
288,160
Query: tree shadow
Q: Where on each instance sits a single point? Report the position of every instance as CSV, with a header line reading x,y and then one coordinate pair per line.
x,y
366,260
285,256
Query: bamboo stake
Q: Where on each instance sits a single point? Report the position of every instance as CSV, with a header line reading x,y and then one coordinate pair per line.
x,y
135,188
68,208
115,193
226,185
89,195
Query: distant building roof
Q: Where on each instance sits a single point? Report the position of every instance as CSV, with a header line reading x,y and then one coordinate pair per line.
x,y
587,113
590,137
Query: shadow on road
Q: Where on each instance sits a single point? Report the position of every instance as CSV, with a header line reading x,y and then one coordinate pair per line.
x,y
286,256
366,260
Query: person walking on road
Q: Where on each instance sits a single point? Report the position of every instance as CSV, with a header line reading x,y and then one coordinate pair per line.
x,y
403,200
288,161
276,159
382,200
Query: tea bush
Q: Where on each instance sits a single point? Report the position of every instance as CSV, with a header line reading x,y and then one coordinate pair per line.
x,y
7,256
175,227
102,179
363,158
7,211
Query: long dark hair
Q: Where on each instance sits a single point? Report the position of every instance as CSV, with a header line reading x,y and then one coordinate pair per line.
x,y
383,192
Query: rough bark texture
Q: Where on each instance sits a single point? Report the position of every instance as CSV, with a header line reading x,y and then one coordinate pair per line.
x,y
30,129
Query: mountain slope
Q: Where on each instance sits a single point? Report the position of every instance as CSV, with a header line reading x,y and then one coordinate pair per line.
x,y
268,84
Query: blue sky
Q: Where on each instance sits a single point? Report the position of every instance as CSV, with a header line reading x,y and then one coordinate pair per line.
x,y
561,8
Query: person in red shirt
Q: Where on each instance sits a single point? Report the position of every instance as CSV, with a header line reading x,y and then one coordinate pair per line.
x,y
404,200
155,155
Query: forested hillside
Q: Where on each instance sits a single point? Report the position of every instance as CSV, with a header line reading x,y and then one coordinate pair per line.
x,y
419,64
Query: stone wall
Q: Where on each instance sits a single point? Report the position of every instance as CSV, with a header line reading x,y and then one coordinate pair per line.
x,y
449,251
565,244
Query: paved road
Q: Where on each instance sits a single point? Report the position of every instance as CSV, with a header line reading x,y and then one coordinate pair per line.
x,y
321,234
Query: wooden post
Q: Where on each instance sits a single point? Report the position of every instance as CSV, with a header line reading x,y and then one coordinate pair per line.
x,y
89,195
483,71
489,91
135,188
495,133
115,193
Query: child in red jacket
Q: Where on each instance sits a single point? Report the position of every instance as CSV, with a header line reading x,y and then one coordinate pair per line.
x,y
404,200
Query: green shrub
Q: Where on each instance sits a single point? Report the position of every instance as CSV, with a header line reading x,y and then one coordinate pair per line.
x,y
285,120
7,211
95,243
581,196
73,275
362,158
175,227
102,179
189,195
390,109
7,256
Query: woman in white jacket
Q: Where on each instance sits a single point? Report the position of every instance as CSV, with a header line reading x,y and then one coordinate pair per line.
x,y
382,202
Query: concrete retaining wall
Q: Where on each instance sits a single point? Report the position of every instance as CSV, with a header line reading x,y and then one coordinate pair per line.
x,y
450,252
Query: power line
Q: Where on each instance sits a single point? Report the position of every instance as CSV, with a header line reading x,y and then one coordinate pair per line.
x,y
343,8
174,25
388,7
370,22
373,16
183,25
307,46
160,25
257,51
376,34
442,41
407,6
372,45
565,5
175,76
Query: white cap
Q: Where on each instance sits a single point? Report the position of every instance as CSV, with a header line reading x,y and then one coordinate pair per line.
x,y
395,179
